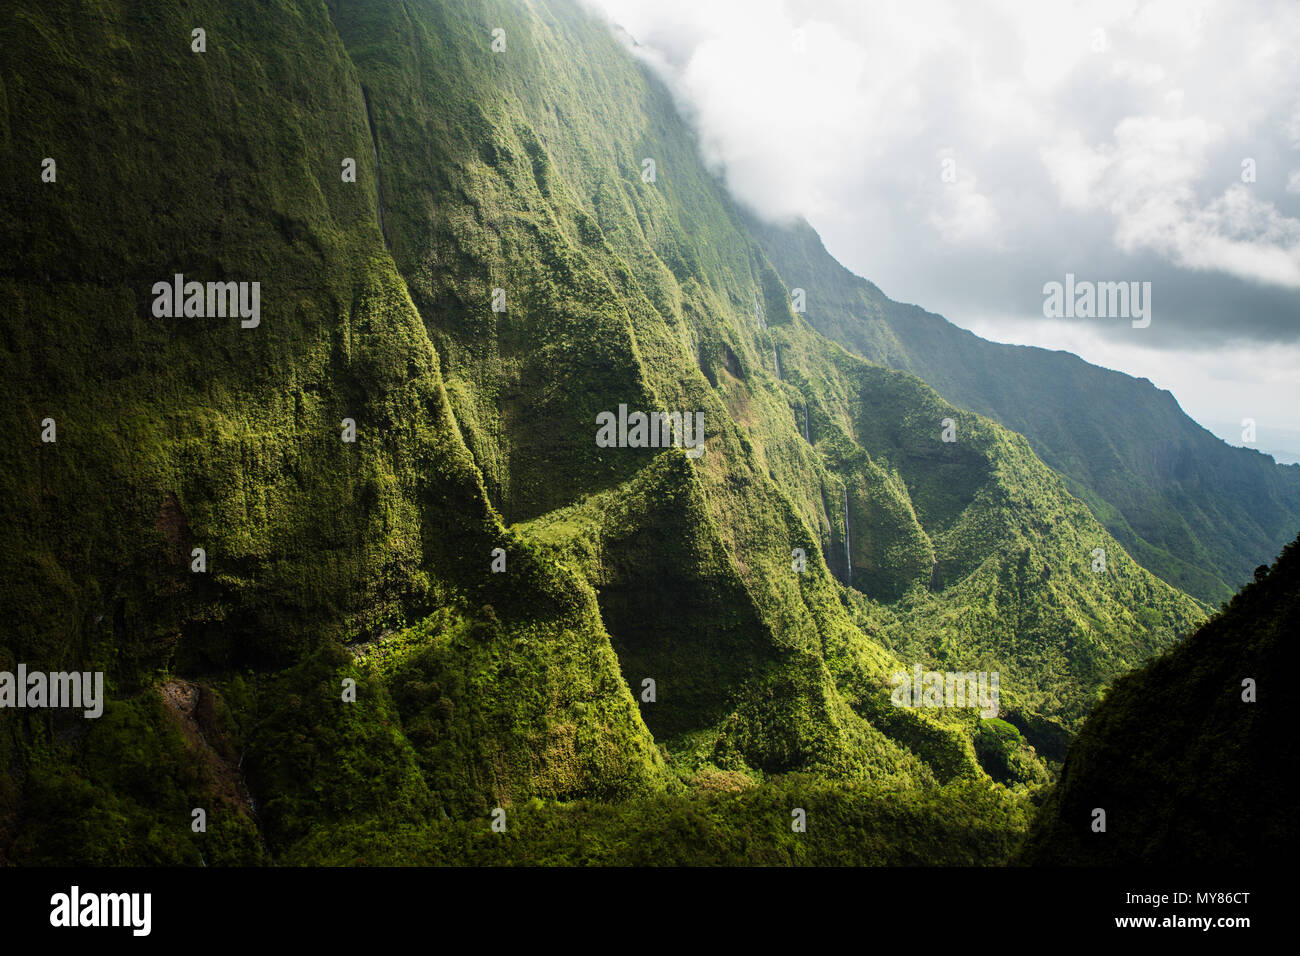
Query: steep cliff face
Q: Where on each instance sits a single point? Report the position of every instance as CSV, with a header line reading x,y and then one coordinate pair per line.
x,y
390,484
188,434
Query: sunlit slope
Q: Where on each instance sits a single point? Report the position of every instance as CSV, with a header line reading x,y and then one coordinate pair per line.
x,y
528,174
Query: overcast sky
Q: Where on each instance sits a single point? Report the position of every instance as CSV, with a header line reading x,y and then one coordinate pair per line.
x,y
962,154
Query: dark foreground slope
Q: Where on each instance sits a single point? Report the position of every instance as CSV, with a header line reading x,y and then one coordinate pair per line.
x,y
1186,768
1198,512
499,587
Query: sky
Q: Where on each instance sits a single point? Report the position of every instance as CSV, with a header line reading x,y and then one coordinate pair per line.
x,y
963,155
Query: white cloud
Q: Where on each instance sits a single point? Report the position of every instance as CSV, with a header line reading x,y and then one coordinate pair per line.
x,y
1147,177
877,85
1120,164
960,212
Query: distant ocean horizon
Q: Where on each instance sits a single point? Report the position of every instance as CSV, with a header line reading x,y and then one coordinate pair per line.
x,y
1282,443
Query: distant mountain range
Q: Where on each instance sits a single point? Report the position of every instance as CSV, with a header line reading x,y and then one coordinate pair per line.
x,y
1200,514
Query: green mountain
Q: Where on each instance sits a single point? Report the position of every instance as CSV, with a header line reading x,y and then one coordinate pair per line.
x,y
359,572
1183,754
1198,512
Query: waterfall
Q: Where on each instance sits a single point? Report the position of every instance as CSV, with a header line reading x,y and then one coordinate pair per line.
x,y
848,558
374,146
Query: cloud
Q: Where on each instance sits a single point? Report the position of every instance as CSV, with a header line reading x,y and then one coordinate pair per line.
x,y
961,213
1104,138
1146,179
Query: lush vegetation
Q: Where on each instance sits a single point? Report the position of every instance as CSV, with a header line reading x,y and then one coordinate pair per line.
x,y
961,824
1184,754
372,561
